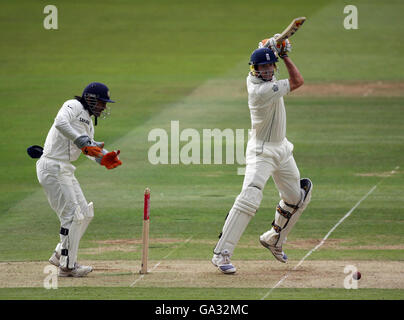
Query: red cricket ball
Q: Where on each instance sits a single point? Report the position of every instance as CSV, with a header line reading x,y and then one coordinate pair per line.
x,y
357,275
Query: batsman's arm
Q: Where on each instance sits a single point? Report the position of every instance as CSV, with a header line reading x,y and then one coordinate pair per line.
x,y
295,78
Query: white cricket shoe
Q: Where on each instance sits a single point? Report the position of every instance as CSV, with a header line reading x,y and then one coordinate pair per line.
x,y
223,263
276,251
54,259
78,271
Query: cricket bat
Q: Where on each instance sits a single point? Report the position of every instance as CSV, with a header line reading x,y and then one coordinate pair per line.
x,y
289,31
145,233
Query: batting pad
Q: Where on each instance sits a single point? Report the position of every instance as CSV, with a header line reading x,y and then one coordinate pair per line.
x,y
74,235
286,223
289,225
88,216
58,248
243,210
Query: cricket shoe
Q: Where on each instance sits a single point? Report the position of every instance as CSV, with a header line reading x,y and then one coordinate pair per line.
x,y
54,259
276,251
77,272
223,263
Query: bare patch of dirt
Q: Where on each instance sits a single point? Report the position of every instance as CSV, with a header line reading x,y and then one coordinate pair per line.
x,y
378,174
338,244
196,273
358,89
308,244
230,89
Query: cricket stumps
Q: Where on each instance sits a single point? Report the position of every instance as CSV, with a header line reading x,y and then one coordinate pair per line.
x,y
145,233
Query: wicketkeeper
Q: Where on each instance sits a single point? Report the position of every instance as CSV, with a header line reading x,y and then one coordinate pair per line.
x,y
72,133
268,154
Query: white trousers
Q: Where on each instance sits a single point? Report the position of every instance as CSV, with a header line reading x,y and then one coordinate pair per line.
x,y
67,199
263,161
266,159
61,188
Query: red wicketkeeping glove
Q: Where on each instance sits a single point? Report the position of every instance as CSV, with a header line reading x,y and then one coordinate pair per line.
x,y
92,151
111,160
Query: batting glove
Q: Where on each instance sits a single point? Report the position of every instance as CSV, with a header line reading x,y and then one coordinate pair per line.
x,y
268,43
262,43
282,48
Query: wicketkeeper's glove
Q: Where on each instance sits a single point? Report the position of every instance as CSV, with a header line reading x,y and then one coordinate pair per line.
x,y
111,160
89,147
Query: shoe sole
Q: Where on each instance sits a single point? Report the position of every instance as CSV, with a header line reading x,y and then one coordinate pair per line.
x,y
70,275
266,245
224,272
64,274
227,272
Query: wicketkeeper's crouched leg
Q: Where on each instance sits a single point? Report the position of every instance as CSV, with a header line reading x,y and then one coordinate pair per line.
x,y
67,200
88,216
87,212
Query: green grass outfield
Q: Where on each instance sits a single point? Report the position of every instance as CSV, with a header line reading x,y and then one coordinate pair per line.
x,y
187,61
94,293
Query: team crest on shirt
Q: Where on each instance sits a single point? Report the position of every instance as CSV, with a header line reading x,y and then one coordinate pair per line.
x,y
275,88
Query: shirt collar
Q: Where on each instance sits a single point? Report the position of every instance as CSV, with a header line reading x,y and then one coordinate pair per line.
x,y
257,80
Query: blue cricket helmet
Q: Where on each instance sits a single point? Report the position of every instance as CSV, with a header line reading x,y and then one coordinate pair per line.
x,y
262,56
259,57
94,92
98,91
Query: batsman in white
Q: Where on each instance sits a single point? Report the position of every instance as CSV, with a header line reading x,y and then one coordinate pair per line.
x,y
72,133
268,154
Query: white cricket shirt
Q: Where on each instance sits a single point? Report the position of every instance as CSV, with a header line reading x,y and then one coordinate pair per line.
x,y
267,109
71,122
